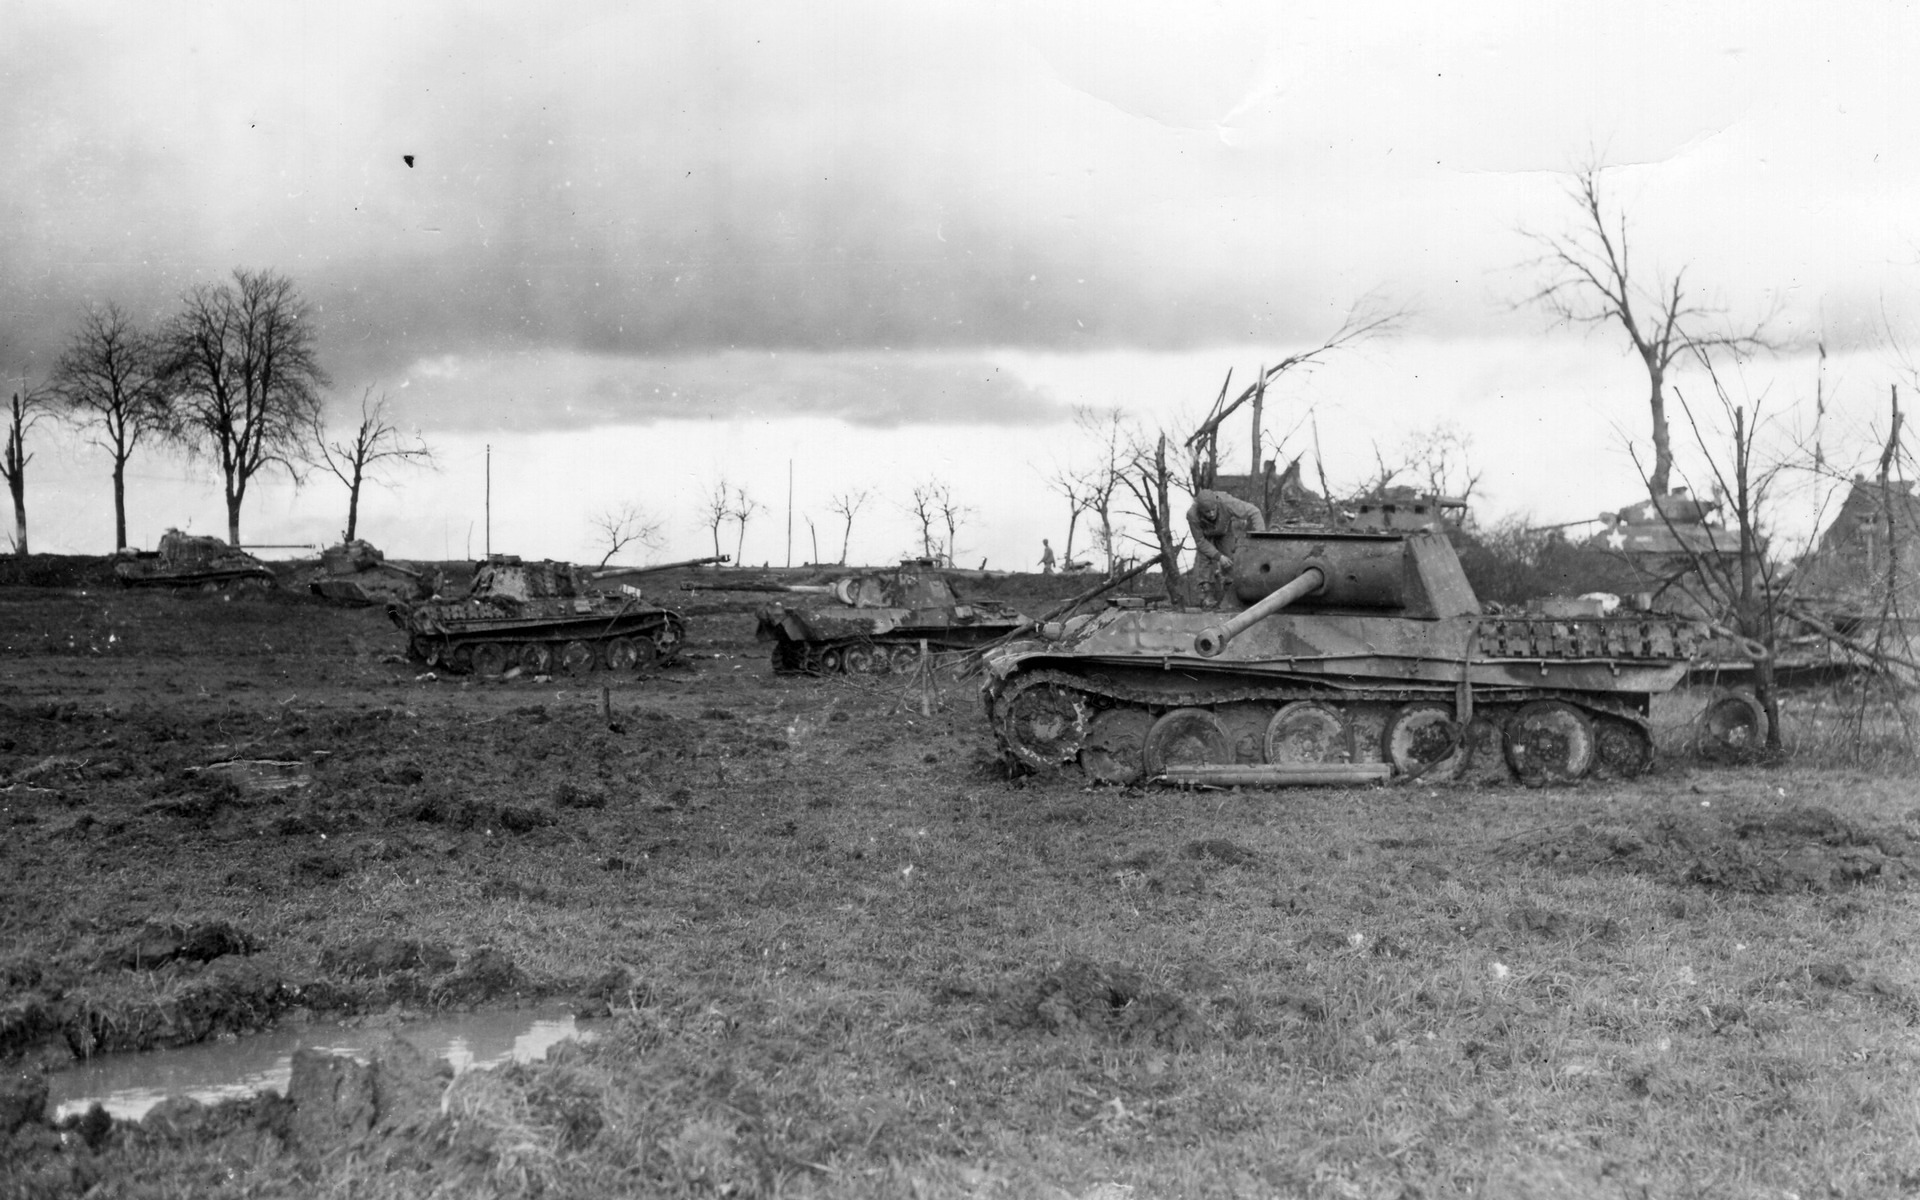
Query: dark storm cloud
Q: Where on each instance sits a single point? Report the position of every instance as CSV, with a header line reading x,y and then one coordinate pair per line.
x,y
616,181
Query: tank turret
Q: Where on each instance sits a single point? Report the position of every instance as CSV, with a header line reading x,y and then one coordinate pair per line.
x,y
1339,646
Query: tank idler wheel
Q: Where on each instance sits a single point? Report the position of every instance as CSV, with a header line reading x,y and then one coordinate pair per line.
x,y
1186,737
1422,739
666,642
431,652
623,654
833,659
1045,725
858,660
578,658
906,659
536,658
1549,741
1622,749
1115,750
1306,731
1733,726
489,660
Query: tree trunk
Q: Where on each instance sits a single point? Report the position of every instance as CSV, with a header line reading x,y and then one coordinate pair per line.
x,y
119,503
846,536
1662,472
1073,519
233,520
17,484
353,504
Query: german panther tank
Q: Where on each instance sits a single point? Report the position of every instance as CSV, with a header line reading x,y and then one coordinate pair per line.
x,y
540,617
874,622
186,561
357,574
1339,646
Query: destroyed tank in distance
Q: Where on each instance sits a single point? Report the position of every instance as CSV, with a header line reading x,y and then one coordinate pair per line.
x,y
873,623
540,618
356,574
187,561
1348,647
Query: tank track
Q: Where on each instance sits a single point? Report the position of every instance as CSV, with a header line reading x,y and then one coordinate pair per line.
x,y
832,658
455,650
1107,692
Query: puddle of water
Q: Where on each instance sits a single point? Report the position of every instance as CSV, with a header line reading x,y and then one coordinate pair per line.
x,y
127,1085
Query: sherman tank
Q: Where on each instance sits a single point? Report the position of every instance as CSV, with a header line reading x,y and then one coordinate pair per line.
x,y
873,623
356,574
1339,647
540,617
186,561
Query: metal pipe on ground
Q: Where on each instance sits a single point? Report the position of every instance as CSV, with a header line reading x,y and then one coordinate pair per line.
x,y
1277,774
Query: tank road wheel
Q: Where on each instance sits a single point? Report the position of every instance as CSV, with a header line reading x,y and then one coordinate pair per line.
x,y
1115,751
833,659
459,659
1044,725
1622,749
1422,739
1733,726
489,660
1549,741
1306,731
1186,737
622,655
578,658
536,658
666,642
645,654
905,660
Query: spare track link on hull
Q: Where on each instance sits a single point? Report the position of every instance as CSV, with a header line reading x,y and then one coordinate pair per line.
x,y
1047,731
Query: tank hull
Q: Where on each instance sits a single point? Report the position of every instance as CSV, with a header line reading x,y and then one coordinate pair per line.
x,y
538,619
873,640
1125,695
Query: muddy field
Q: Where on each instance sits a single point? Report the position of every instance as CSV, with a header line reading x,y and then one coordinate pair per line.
x,y
844,953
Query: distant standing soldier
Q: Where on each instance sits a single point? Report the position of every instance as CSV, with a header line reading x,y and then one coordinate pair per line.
x,y
1217,521
1046,557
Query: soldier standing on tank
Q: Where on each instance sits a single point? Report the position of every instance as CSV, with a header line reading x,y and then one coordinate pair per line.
x,y
1046,557
1217,521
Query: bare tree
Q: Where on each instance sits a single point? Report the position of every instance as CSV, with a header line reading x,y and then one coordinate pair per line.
x,y
1073,490
376,441
108,381
953,514
1101,481
1367,319
741,510
1150,481
847,505
245,376
625,525
27,408
714,510
926,510
1591,280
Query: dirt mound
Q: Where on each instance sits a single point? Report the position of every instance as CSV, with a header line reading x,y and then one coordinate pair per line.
x,y
1106,1000
1781,850
56,571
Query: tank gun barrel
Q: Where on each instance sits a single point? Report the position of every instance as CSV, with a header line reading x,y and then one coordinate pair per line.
x,y
748,585
1214,638
605,572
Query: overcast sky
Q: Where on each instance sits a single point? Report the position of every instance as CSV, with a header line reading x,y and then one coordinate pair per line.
x,y
642,245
